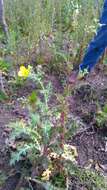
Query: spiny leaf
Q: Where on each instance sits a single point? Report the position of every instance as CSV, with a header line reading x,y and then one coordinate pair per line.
x,y
3,96
4,66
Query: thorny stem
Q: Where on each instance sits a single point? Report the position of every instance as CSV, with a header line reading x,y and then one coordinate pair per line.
x,y
45,96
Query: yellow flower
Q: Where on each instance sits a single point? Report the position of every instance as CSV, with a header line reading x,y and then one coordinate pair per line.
x,y
70,152
46,175
54,155
24,72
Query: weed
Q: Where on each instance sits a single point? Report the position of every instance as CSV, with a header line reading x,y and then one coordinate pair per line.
x,y
42,140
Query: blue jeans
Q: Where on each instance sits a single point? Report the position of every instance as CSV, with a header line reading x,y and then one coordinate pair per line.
x,y
97,46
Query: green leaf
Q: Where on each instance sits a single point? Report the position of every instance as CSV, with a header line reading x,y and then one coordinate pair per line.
x,y
3,96
17,156
33,97
35,119
105,109
4,66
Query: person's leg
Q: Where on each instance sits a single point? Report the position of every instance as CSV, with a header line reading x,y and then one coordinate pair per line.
x,y
97,45
95,49
103,19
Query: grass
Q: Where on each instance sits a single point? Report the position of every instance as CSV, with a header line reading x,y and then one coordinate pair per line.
x,y
72,21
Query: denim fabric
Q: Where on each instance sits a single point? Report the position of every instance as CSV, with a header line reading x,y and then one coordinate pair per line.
x,y
103,19
97,46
